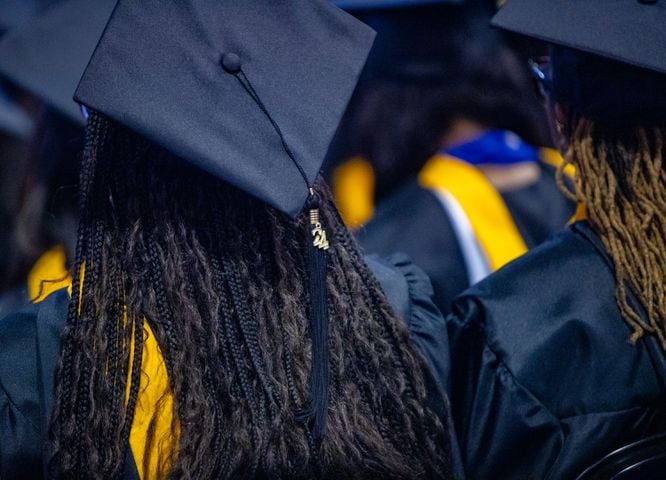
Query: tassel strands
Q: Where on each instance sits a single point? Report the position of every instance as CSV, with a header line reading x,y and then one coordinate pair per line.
x,y
315,414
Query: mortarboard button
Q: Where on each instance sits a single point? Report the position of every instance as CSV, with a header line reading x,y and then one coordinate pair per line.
x,y
152,52
231,63
131,78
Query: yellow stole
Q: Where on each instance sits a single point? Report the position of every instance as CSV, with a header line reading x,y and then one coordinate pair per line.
x,y
154,408
491,220
354,188
553,158
48,275
353,185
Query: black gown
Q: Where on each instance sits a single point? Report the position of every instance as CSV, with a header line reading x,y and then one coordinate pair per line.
x,y
30,345
544,381
413,221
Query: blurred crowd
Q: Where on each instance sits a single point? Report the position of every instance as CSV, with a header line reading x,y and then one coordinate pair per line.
x,y
481,287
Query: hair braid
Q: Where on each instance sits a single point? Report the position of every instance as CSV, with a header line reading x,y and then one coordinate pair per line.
x,y
621,181
219,278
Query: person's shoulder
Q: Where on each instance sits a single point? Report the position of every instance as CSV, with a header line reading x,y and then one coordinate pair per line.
x,y
550,312
29,347
29,338
17,331
564,265
409,292
406,286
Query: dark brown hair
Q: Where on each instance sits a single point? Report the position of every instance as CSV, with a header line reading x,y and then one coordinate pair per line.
x,y
219,277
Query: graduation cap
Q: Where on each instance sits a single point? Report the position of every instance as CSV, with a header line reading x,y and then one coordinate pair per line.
x,y
16,12
627,31
421,40
357,5
250,91
47,55
608,60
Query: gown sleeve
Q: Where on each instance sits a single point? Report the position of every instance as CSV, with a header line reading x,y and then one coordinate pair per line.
x,y
488,403
426,325
409,291
29,353
21,423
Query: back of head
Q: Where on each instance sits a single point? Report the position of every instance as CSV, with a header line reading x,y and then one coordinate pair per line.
x,y
425,74
616,127
611,93
219,278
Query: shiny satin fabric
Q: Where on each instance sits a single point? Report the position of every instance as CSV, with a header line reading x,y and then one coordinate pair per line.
x,y
544,381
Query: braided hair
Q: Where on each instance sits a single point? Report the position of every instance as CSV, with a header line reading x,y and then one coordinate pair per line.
x,y
621,180
616,133
219,278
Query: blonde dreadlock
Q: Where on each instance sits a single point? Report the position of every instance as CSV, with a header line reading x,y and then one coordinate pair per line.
x,y
621,182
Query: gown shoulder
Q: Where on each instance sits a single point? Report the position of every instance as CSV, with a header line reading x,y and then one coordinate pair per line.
x,y
409,291
543,377
29,349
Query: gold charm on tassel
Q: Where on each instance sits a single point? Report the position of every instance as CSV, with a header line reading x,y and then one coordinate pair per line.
x,y
318,232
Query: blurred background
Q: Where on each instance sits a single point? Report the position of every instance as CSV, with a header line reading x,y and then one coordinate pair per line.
x,y
444,153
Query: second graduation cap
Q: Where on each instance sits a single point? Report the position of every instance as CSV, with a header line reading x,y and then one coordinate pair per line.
x,y
615,46
360,5
47,55
627,31
251,91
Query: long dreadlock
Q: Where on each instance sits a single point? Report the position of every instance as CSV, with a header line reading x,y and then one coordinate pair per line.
x,y
219,278
621,181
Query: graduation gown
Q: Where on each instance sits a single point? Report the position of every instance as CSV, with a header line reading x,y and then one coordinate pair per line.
x,y
30,345
412,220
544,381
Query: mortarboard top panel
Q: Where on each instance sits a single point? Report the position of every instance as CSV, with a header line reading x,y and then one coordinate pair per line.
x,y
353,5
16,12
629,31
48,54
421,40
157,70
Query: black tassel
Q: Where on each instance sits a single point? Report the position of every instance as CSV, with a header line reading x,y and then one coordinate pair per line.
x,y
315,414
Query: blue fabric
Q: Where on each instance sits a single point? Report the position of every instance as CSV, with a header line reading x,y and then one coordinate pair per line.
x,y
495,147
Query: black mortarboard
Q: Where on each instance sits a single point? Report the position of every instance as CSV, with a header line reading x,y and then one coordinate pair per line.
x,y
16,12
420,40
252,92
187,75
358,5
48,54
608,59
628,31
